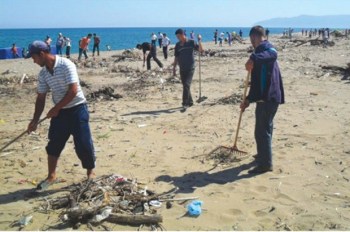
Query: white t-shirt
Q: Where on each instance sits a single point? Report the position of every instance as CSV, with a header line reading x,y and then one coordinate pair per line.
x,y
165,41
154,37
160,36
64,74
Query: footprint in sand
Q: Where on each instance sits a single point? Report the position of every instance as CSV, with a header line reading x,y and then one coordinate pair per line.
x,y
261,189
235,212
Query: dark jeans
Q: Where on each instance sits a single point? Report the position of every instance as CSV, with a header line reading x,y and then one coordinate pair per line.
x,y
82,51
68,51
154,42
186,79
73,121
153,54
160,42
59,50
165,52
96,47
264,114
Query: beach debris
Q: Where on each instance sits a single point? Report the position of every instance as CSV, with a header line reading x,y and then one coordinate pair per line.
x,y
194,209
223,156
111,198
233,99
336,70
23,221
106,93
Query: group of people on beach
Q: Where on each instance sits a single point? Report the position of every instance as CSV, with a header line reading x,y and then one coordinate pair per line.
x,y
70,115
63,41
231,36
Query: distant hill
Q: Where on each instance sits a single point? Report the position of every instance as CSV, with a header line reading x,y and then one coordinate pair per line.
x,y
308,21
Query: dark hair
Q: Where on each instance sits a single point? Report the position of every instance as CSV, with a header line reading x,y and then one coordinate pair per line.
x,y
89,35
179,32
138,46
257,30
94,34
164,34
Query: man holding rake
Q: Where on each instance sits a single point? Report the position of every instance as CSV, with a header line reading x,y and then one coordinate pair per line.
x,y
268,93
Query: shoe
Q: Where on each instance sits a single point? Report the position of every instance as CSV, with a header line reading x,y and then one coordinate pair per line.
x,y
260,170
45,184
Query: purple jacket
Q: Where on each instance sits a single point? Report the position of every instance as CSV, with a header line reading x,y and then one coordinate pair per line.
x,y
266,79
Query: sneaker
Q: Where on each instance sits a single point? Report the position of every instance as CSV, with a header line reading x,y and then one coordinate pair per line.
x,y
260,170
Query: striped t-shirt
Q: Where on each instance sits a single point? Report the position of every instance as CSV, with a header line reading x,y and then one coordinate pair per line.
x,y
64,74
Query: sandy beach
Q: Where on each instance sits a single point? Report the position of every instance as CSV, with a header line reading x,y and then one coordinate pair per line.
x,y
144,135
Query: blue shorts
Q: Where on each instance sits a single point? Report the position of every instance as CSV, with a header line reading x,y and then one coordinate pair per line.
x,y
73,121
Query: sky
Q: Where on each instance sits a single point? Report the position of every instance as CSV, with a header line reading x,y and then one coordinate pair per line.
x,y
157,13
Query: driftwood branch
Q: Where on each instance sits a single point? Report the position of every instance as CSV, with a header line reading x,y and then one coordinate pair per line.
x,y
135,219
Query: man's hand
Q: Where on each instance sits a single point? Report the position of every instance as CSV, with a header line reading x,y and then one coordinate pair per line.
x,y
249,65
33,125
53,112
244,105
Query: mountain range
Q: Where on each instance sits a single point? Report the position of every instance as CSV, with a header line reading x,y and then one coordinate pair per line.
x,y
309,21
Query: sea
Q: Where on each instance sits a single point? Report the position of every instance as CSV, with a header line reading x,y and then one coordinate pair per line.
x,y
116,38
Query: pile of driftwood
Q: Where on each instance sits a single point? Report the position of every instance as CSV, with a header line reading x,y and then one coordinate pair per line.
x,y
110,198
106,93
313,42
336,70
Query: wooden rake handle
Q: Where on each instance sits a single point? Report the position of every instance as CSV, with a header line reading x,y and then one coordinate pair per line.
x,y
241,113
19,136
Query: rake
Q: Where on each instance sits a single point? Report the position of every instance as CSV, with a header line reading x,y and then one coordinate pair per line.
x,y
234,150
19,136
201,98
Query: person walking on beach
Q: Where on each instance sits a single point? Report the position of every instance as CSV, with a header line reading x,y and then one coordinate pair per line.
x,y
96,45
229,38
48,41
221,38
216,36
160,39
68,45
59,44
152,53
184,57
267,33
69,116
240,33
14,51
268,93
83,46
165,45
153,39
192,35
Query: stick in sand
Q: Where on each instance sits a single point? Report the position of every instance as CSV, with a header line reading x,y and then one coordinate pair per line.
x,y
19,136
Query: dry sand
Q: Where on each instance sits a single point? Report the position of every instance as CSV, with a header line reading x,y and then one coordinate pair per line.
x,y
140,136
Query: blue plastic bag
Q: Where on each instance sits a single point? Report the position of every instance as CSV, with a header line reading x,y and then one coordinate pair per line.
x,y
194,208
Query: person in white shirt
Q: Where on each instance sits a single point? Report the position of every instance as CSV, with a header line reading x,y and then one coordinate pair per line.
x,y
69,116
165,44
221,38
160,39
67,43
154,39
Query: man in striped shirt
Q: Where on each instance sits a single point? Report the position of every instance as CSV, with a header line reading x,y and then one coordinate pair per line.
x,y
69,116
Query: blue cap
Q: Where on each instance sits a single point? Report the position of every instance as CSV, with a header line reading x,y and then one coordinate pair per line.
x,y
36,47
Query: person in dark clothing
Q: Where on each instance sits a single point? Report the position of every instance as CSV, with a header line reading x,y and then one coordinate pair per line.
x,y
268,93
267,33
184,57
216,36
152,53
96,45
240,33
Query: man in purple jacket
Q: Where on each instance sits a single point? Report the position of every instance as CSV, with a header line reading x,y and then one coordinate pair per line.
x,y
267,91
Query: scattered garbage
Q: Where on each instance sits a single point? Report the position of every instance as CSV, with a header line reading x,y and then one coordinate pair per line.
x,y
111,198
194,209
106,93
